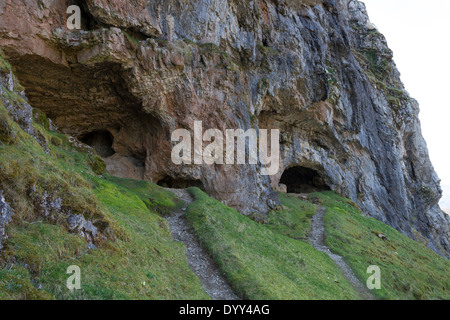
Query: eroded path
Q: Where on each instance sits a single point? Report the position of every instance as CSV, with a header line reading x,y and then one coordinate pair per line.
x,y
317,239
199,261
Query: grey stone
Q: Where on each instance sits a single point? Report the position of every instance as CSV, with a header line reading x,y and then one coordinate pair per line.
x,y
6,213
78,224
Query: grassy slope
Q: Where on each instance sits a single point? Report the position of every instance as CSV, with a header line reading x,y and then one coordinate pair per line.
x,y
39,249
144,263
409,270
261,263
293,219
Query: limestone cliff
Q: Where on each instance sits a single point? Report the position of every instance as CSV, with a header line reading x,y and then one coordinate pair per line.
x,y
317,70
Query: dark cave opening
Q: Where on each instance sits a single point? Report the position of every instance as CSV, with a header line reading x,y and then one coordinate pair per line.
x,y
303,180
88,22
77,102
101,141
169,182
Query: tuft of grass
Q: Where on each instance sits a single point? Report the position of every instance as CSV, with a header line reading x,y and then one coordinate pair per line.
x,y
40,118
15,285
97,164
7,132
4,65
260,263
155,198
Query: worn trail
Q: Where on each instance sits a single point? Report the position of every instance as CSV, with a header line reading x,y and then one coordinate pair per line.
x,y
317,239
199,261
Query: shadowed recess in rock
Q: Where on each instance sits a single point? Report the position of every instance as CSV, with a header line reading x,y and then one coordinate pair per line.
x,y
169,182
101,141
303,180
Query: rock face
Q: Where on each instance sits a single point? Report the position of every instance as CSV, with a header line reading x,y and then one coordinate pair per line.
x,y
317,70
77,223
6,213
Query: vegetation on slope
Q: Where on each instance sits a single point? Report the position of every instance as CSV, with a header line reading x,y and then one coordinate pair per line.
x,y
137,259
260,263
293,220
409,270
144,263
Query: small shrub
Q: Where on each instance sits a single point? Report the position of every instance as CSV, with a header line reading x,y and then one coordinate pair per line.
x,y
97,164
56,141
7,132
40,118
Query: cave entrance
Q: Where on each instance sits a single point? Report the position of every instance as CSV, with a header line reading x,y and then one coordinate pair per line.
x,y
101,141
169,182
303,180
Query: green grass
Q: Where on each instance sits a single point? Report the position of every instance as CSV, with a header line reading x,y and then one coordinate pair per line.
x,y
294,218
4,65
147,255
154,197
143,264
27,173
409,270
143,251
260,263
15,285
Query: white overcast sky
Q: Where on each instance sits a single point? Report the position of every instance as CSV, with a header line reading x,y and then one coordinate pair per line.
x,y
419,34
